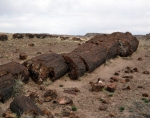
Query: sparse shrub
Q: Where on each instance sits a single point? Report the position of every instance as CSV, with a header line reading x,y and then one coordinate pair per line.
x,y
143,98
110,95
74,108
146,101
61,85
18,89
47,82
121,109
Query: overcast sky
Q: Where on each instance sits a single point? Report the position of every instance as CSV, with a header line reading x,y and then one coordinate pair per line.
x,y
75,16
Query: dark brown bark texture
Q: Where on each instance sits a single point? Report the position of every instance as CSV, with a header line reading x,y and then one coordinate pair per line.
x,y
97,50
16,69
7,82
8,73
46,65
76,65
3,37
23,104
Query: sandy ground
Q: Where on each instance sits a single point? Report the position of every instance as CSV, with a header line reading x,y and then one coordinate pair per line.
x,y
132,102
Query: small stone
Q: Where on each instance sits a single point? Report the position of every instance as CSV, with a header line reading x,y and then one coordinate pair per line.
x,y
146,72
128,76
111,87
112,115
139,59
140,86
39,52
52,93
1,56
126,87
23,56
116,73
114,79
135,70
33,95
145,95
40,101
98,86
31,44
102,107
47,99
9,115
64,100
42,88
48,113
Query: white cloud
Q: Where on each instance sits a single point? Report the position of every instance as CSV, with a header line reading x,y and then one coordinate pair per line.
x,y
75,16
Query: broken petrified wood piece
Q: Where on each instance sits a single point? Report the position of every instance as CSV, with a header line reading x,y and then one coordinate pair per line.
x,y
16,69
64,100
98,86
93,56
76,65
50,65
23,105
7,82
50,95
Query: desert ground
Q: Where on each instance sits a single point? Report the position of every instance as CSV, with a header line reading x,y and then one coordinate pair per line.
x,y
131,99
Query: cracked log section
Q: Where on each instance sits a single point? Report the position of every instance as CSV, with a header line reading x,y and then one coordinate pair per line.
x,y
24,105
99,49
8,73
45,66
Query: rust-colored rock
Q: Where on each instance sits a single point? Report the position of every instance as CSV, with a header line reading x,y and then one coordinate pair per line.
x,y
72,91
22,104
31,44
64,100
111,87
49,95
145,94
98,86
114,79
3,37
146,72
23,56
102,107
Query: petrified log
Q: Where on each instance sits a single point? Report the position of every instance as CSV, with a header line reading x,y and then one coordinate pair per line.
x,y
30,35
23,104
76,65
7,83
94,57
18,36
127,37
3,37
16,69
47,65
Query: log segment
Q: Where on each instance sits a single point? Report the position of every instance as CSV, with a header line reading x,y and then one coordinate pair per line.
x,y
16,69
50,65
23,105
76,65
7,82
8,73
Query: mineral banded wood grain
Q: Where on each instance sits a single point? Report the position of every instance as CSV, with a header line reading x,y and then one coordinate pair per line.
x,y
76,65
7,82
50,65
23,104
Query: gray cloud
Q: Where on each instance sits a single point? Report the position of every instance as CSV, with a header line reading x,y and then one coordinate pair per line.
x,y
75,16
